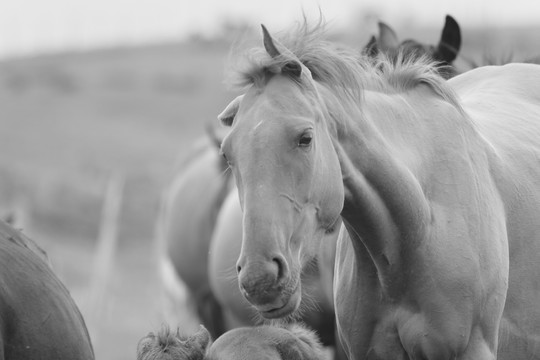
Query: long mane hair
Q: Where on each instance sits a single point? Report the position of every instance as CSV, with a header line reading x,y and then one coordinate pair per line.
x,y
344,70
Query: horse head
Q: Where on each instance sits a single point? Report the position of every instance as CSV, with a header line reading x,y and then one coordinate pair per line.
x,y
445,52
288,178
169,345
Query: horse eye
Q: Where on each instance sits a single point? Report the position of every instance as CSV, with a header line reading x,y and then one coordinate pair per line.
x,y
305,140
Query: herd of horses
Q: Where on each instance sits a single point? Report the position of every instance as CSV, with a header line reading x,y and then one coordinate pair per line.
x,y
370,202
203,243
386,208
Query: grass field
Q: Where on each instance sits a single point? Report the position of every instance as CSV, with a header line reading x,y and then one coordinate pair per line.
x,y
70,121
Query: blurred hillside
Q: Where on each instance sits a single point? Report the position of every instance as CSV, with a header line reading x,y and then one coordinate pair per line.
x,y
71,120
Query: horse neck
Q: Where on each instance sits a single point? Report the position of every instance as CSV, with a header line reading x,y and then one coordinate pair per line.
x,y
382,154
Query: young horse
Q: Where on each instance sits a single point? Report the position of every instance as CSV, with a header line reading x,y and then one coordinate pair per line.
x,y
38,317
437,185
444,53
292,342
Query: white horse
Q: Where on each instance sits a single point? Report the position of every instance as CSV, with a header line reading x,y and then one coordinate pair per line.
x,y
438,185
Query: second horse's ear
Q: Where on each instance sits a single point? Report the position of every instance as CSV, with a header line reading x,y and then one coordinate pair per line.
x,y
371,49
388,39
450,42
226,117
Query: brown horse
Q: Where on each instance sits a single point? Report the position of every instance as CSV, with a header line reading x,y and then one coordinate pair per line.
x,y
437,184
290,342
38,318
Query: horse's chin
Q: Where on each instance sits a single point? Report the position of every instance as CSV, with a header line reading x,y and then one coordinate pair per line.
x,y
289,307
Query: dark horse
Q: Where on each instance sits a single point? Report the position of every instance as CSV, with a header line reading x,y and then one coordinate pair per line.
x,y
444,53
38,318
437,184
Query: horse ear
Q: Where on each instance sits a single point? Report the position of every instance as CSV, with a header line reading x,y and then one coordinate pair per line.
x,y
450,42
201,338
371,49
215,133
388,39
227,116
268,42
292,68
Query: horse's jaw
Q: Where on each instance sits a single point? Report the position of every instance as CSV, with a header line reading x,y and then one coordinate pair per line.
x,y
289,307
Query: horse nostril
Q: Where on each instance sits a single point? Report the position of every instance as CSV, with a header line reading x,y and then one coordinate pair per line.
x,y
238,269
281,266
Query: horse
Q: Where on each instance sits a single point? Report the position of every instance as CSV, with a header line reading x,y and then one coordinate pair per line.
x,y
189,208
214,232
445,52
318,311
291,342
437,184
201,243
39,319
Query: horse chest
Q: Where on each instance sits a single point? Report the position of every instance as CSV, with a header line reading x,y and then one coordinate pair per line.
x,y
369,332
387,331
372,326
366,323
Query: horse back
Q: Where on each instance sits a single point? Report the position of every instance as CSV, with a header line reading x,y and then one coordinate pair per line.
x,y
40,320
193,202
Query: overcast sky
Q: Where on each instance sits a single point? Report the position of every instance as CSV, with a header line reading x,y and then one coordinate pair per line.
x,y
28,26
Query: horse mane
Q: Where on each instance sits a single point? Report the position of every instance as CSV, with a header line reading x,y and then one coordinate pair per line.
x,y
168,344
345,71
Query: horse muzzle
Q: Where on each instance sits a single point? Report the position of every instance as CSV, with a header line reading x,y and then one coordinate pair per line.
x,y
266,285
